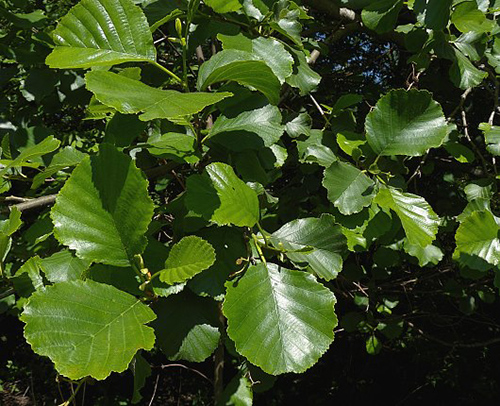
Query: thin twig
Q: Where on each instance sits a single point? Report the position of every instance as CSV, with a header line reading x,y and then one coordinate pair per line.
x,y
187,368
154,390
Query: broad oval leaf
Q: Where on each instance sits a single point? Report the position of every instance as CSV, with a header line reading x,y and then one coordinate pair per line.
x,y
87,328
478,235
102,33
322,235
242,67
419,221
130,96
187,258
405,123
104,209
349,189
222,197
280,320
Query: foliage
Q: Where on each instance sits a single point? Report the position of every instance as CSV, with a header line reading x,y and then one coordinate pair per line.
x,y
217,181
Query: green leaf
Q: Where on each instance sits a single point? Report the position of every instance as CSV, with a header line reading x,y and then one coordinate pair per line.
x,y
222,197
324,239
242,67
264,122
63,266
417,217
314,149
177,145
491,138
467,17
349,189
269,50
102,33
303,77
405,123
187,258
280,320
223,6
12,224
381,15
478,235
27,278
29,156
434,14
463,73
187,327
229,246
130,96
104,209
425,255
142,371
373,345
237,393
460,152
87,328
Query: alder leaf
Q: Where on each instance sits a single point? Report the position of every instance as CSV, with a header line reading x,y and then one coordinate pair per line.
x,y
269,50
264,122
417,217
187,258
280,320
104,209
349,189
63,266
381,15
242,67
130,96
322,235
478,235
102,33
222,197
87,328
405,123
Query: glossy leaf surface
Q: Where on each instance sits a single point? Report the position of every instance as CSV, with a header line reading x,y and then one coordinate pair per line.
x,y
320,238
405,123
87,337
102,33
130,96
291,321
104,209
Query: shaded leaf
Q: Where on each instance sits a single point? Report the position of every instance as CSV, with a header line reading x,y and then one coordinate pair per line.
x,y
322,238
349,189
186,327
222,197
417,217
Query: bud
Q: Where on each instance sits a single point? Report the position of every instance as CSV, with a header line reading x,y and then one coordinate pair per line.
x,y
178,27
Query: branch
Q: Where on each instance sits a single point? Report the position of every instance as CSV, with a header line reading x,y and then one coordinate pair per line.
x,y
50,199
35,203
329,7
481,344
